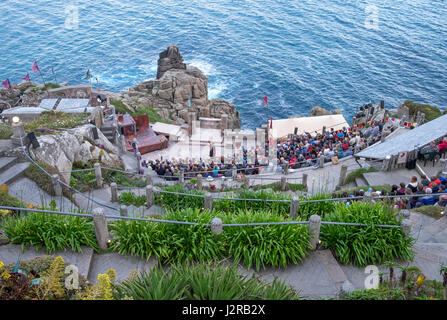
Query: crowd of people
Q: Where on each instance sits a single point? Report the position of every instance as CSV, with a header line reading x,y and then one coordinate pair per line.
x,y
171,170
306,150
426,192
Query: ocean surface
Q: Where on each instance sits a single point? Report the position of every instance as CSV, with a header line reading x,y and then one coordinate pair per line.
x,y
338,54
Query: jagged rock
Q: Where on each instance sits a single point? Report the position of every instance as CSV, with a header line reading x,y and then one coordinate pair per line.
x,y
85,153
318,111
60,151
86,131
218,107
180,89
336,111
169,59
57,151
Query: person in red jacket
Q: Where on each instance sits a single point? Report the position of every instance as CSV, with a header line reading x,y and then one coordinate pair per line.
x,y
442,145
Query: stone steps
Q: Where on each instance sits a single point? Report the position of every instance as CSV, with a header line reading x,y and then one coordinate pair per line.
x,y
361,182
6,163
13,172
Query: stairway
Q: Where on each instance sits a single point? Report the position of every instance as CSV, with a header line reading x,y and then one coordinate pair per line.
x,y
430,247
108,130
11,170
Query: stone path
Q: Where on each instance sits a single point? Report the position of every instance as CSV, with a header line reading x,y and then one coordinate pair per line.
x,y
27,190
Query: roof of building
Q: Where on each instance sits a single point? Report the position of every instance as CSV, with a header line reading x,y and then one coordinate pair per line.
x,y
407,141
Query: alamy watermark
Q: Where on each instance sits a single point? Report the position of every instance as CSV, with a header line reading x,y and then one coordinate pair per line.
x,y
372,17
72,280
372,280
71,17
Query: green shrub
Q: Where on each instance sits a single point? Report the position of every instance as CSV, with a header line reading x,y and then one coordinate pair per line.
x,y
431,113
261,246
376,294
54,232
321,208
365,245
179,202
151,113
5,132
54,120
357,174
169,243
280,208
121,107
130,199
201,282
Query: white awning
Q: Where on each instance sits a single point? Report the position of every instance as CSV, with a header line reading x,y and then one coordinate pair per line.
x,y
283,127
407,141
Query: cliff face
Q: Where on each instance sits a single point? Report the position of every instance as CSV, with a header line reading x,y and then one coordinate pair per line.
x,y
179,89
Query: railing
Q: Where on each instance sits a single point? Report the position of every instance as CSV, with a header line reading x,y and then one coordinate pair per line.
x,y
216,225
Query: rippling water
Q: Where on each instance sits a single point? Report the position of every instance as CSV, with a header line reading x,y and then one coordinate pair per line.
x,y
298,53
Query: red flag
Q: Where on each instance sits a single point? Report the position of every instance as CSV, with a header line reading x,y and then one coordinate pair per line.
x,y
26,78
35,67
265,100
6,83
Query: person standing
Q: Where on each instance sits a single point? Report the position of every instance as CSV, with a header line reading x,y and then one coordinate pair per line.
x,y
212,150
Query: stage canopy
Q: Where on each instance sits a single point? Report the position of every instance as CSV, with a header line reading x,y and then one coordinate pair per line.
x,y
281,128
407,141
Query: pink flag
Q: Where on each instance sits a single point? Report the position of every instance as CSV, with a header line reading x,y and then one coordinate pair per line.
x,y
265,100
6,83
35,67
26,78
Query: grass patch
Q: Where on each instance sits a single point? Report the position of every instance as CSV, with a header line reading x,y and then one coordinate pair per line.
x,y
86,180
43,180
365,245
201,282
151,113
51,85
431,113
5,132
358,174
277,187
121,107
431,211
54,120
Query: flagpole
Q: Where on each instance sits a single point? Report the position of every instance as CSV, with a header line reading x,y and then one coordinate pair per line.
x,y
54,75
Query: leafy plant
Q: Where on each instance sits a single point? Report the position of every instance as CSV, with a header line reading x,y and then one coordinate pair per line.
x,y
280,208
261,246
129,199
364,245
357,174
169,242
177,202
201,282
54,232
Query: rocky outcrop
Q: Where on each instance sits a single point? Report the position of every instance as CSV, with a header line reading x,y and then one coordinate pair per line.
x,y
179,89
22,94
170,59
318,111
61,151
